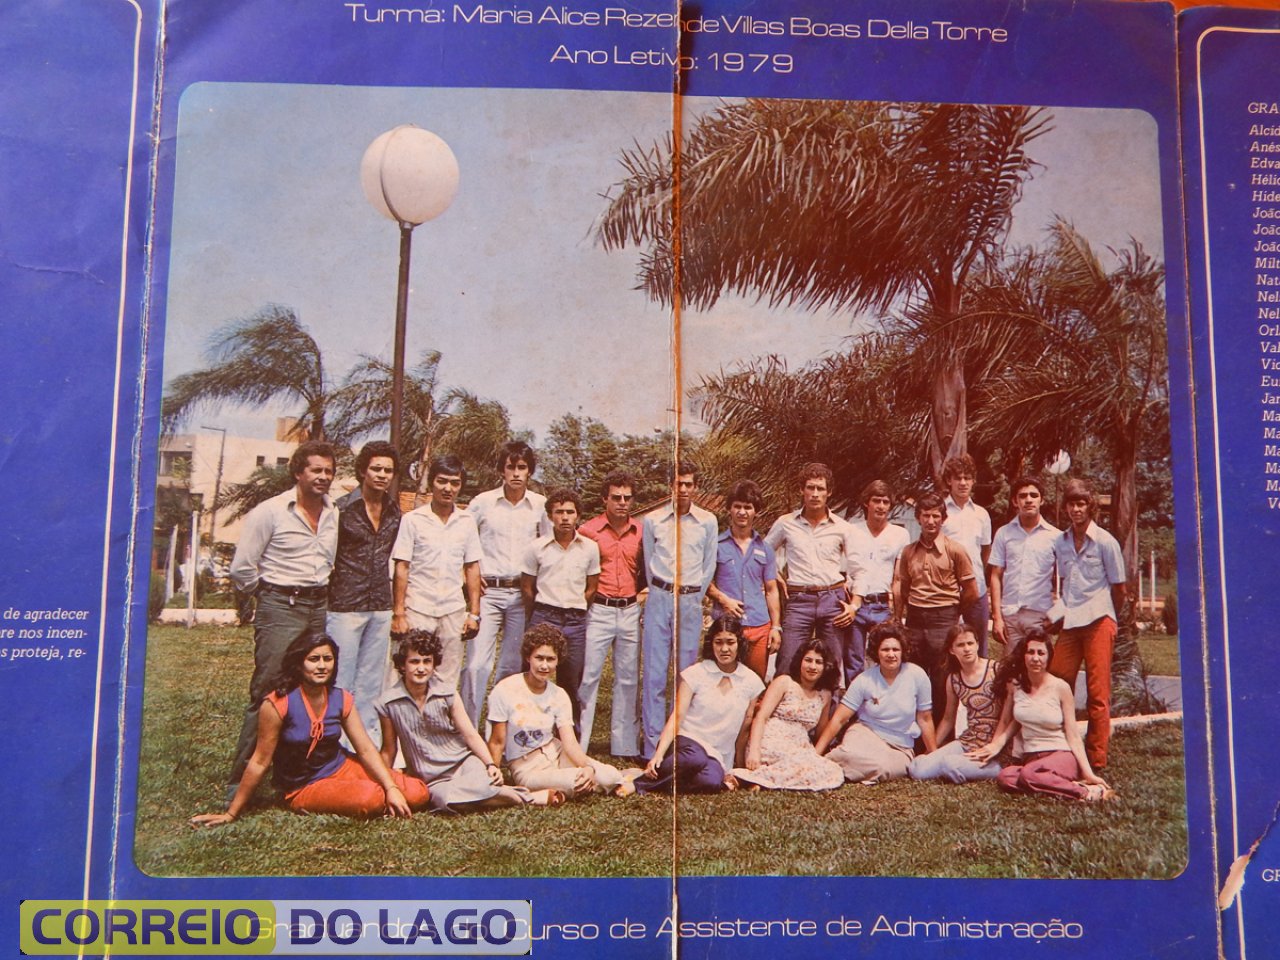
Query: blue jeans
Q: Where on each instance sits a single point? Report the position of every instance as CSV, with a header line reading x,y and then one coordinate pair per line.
x,y
362,638
687,768
809,615
277,624
868,616
660,616
573,624
501,609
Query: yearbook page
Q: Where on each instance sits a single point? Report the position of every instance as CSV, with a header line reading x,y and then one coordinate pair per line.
x,y
667,249
1232,147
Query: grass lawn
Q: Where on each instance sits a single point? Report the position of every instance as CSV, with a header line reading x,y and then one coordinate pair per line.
x,y
1160,654
195,682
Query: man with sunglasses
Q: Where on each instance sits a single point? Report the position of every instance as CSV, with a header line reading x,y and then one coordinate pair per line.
x,y
613,621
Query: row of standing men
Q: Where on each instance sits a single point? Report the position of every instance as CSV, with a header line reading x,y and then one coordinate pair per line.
x,y
478,576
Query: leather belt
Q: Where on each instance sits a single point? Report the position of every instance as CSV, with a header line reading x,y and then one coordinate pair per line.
x,y
310,593
876,598
796,589
671,587
619,602
501,582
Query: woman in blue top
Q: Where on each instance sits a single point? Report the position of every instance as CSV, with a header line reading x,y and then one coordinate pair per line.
x,y
893,703
300,725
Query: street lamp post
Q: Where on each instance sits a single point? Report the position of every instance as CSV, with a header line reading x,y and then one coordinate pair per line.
x,y
410,176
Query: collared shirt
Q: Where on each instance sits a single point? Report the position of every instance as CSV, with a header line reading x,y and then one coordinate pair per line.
x,y
278,545
1088,575
815,556
931,576
436,552
562,571
362,567
696,564
1026,556
876,556
719,704
621,556
969,526
507,529
742,576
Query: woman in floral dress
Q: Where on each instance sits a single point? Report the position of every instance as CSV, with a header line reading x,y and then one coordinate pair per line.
x,y
780,755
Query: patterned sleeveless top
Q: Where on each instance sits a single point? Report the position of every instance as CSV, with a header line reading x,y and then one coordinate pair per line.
x,y
981,705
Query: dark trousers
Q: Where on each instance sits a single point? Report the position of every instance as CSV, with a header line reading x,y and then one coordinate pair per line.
x,y
573,624
809,615
277,624
927,630
687,768
855,651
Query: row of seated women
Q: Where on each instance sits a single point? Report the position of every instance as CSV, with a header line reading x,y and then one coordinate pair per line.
x,y
722,710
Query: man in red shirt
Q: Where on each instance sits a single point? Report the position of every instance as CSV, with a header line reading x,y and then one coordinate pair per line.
x,y
614,618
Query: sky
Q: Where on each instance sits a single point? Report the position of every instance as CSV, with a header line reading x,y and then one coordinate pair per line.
x,y
510,283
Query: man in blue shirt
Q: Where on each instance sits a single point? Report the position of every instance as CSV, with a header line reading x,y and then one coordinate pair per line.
x,y
746,578
1091,565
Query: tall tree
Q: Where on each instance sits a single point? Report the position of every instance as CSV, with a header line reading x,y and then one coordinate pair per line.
x,y
1102,372
435,419
266,356
832,204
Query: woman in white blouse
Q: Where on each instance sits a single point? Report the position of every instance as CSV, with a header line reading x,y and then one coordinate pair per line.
x,y
714,700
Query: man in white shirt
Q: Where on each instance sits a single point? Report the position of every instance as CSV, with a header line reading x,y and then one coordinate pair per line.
x,y
876,544
815,548
437,555
678,567
970,526
558,582
509,518
285,555
1022,565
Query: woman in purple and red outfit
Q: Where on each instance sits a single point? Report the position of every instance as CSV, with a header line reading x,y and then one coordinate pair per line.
x,y
1043,707
300,725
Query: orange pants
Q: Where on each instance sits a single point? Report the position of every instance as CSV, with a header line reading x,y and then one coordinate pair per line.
x,y
757,655
349,792
1093,645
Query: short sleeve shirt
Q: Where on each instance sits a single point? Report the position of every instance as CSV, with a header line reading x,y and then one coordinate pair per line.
x,y
531,718
932,575
436,552
1027,559
1088,575
742,576
562,571
889,709
969,526
716,712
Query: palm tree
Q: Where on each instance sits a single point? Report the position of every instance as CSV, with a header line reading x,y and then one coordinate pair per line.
x,y
831,204
1102,369
846,409
261,357
468,426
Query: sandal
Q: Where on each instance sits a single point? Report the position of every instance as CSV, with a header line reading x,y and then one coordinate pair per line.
x,y
1097,792
546,798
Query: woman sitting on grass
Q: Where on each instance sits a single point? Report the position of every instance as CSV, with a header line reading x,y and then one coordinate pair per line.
x,y
299,728
780,755
1043,707
971,683
894,706
531,724
441,746
713,700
